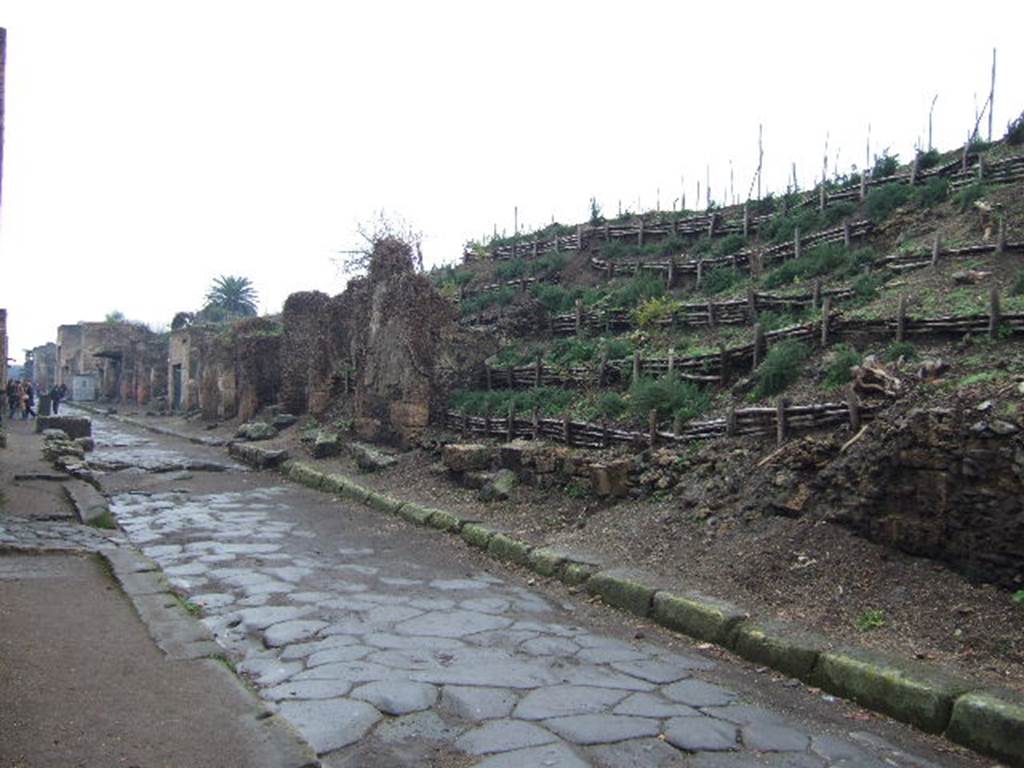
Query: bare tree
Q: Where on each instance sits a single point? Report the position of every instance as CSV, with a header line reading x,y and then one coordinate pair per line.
x,y
382,226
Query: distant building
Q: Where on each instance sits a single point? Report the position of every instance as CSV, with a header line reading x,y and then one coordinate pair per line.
x,y
111,361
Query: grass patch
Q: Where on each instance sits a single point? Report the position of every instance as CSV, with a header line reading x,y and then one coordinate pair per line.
x,y
653,312
1017,289
780,368
192,609
729,245
870,619
931,193
104,521
983,377
668,396
821,260
969,195
720,279
498,298
899,350
549,401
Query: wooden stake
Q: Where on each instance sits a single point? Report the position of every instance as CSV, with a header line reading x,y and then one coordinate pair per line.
x,y
723,365
579,317
1001,237
538,371
993,312
487,368
901,318
816,295
711,313
671,360
535,420
579,237
853,405
822,197
700,272
636,366
846,233
510,434
780,421
730,421
759,345
796,242
652,426
670,279
913,168
936,249
826,312
640,233
567,429
746,220
863,185
752,304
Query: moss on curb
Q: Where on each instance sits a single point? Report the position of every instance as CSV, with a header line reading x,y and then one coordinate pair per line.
x,y
546,562
990,722
446,521
623,589
415,513
511,550
705,618
305,474
575,574
912,693
477,535
383,503
774,644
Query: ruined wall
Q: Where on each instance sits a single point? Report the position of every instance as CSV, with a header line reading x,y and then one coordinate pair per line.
x,y
3,343
946,484
44,367
113,352
306,358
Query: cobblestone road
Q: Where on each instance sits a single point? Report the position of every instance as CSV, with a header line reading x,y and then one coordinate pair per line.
x,y
376,639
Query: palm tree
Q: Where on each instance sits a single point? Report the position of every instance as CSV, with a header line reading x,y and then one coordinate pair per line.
x,y
234,295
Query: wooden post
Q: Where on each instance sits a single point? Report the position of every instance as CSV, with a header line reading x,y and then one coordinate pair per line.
x,y
602,369
487,368
652,426
981,167
637,266
746,220
712,222
567,429
636,366
853,405
913,169
510,377
610,269
700,272
963,157
730,421
538,371
863,185
677,424
901,318
605,441
826,311
671,360
640,233
752,304
487,422
822,197
780,420
670,279
535,419
579,317
846,233
510,433
607,232
1001,237
711,314
758,345
993,312
936,249
579,237
723,365
816,295
533,248
465,424
796,242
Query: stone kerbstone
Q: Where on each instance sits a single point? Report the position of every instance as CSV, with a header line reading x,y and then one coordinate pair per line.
x,y
354,491
87,444
383,503
623,588
416,513
369,459
991,722
575,574
305,474
256,430
705,618
610,478
546,561
478,535
909,692
506,548
334,483
446,521
499,487
466,457
774,644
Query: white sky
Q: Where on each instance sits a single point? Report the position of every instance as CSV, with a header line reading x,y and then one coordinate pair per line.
x,y
151,147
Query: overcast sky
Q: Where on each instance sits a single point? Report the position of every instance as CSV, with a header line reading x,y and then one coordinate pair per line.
x,y
151,147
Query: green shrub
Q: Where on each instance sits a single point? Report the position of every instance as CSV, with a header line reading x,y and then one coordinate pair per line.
x,y
773,321
969,195
865,287
635,290
511,270
899,349
702,246
781,227
885,165
871,619
653,312
836,212
1017,289
926,160
668,396
617,348
882,201
607,405
931,193
841,360
729,244
565,352
1015,131
780,368
497,298
547,264
617,250
556,299
819,260
670,246
549,401
720,279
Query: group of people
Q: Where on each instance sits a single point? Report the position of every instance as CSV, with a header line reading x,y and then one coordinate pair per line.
x,y
21,398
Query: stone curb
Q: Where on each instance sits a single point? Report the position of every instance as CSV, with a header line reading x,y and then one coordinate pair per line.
x,y
990,722
90,505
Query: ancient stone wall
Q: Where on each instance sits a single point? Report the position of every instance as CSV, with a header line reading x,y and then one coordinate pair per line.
x,y
946,484
303,348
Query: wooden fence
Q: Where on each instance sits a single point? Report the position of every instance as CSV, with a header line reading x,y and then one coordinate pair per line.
x,y
718,368
967,169
780,421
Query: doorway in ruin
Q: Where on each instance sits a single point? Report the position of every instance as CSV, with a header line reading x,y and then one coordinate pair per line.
x,y
176,387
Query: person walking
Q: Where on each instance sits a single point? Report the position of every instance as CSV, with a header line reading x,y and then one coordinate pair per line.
x,y
56,393
28,401
12,397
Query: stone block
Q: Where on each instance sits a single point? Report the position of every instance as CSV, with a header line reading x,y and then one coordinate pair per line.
x,y
87,444
785,648
499,487
548,459
326,444
623,588
513,455
705,618
334,483
370,459
610,478
305,474
511,550
546,562
408,418
256,430
575,574
73,426
354,491
367,429
466,457
477,535
283,420
383,503
991,722
416,513
446,521
909,692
